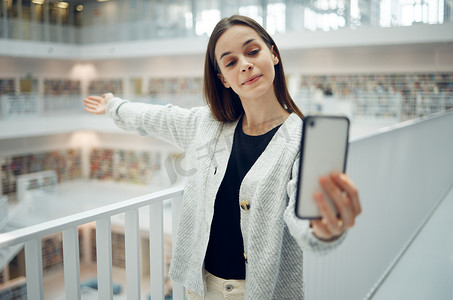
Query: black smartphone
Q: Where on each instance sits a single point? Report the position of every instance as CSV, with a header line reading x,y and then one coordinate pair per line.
x,y
324,148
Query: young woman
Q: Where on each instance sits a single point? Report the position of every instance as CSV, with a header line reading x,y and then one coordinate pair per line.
x,y
239,237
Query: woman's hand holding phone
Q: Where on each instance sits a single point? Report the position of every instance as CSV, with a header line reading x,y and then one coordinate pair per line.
x,y
344,195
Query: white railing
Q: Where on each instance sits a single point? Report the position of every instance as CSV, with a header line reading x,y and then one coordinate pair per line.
x,y
20,105
31,237
35,105
403,172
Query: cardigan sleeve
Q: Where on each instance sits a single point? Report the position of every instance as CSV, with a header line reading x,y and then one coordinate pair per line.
x,y
171,123
299,228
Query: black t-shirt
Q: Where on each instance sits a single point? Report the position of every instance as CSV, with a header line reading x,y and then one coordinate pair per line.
x,y
225,253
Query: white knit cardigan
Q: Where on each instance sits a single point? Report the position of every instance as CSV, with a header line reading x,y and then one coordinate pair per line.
x,y
274,238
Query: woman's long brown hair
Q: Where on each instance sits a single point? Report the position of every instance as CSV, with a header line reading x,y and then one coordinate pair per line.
x,y
224,103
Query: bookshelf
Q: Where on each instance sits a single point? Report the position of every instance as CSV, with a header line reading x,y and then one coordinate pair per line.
x,y
52,252
400,95
181,91
175,85
61,87
7,86
101,86
131,166
66,163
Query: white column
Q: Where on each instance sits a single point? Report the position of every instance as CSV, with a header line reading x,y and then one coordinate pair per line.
x,y
19,20
132,244
156,250
33,267
71,263
45,12
35,24
71,27
59,25
176,203
104,258
5,20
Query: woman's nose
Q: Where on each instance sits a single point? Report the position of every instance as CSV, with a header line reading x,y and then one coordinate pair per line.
x,y
246,66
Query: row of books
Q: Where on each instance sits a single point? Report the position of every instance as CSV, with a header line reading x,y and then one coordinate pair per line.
x,y
52,251
124,165
175,85
100,86
7,86
105,164
404,83
66,163
118,248
62,87
340,84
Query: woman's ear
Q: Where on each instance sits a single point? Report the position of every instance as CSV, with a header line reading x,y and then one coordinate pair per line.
x,y
225,83
274,56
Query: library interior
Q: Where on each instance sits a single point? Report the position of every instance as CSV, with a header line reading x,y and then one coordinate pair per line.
x,y
74,184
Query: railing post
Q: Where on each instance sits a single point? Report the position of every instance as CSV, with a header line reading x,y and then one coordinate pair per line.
x,y
156,250
71,263
176,203
4,20
132,240
33,265
104,258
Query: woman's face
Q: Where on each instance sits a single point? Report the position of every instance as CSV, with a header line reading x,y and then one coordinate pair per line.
x,y
246,63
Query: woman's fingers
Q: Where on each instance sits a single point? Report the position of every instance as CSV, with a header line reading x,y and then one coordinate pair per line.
x,y
329,225
94,104
90,104
351,190
94,98
342,193
321,230
339,199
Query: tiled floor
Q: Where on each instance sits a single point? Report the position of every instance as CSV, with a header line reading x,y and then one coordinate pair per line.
x,y
54,284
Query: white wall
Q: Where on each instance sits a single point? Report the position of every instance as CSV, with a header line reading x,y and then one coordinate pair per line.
x,y
371,59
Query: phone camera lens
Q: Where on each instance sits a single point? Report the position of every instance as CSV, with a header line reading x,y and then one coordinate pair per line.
x,y
312,123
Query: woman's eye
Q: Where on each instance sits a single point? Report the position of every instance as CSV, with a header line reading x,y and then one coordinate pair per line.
x,y
254,52
231,63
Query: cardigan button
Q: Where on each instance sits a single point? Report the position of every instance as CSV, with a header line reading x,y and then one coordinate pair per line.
x,y
245,205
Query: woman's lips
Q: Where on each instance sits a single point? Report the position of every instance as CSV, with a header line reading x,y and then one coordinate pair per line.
x,y
252,79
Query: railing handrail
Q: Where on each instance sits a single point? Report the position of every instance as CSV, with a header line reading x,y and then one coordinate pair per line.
x,y
400,125
58,225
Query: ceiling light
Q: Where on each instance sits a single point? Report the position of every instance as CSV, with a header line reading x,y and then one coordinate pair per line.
x,y
79,7
63,4
103,0
40,2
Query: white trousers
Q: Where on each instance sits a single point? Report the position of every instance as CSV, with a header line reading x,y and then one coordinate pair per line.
x,y
219,288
